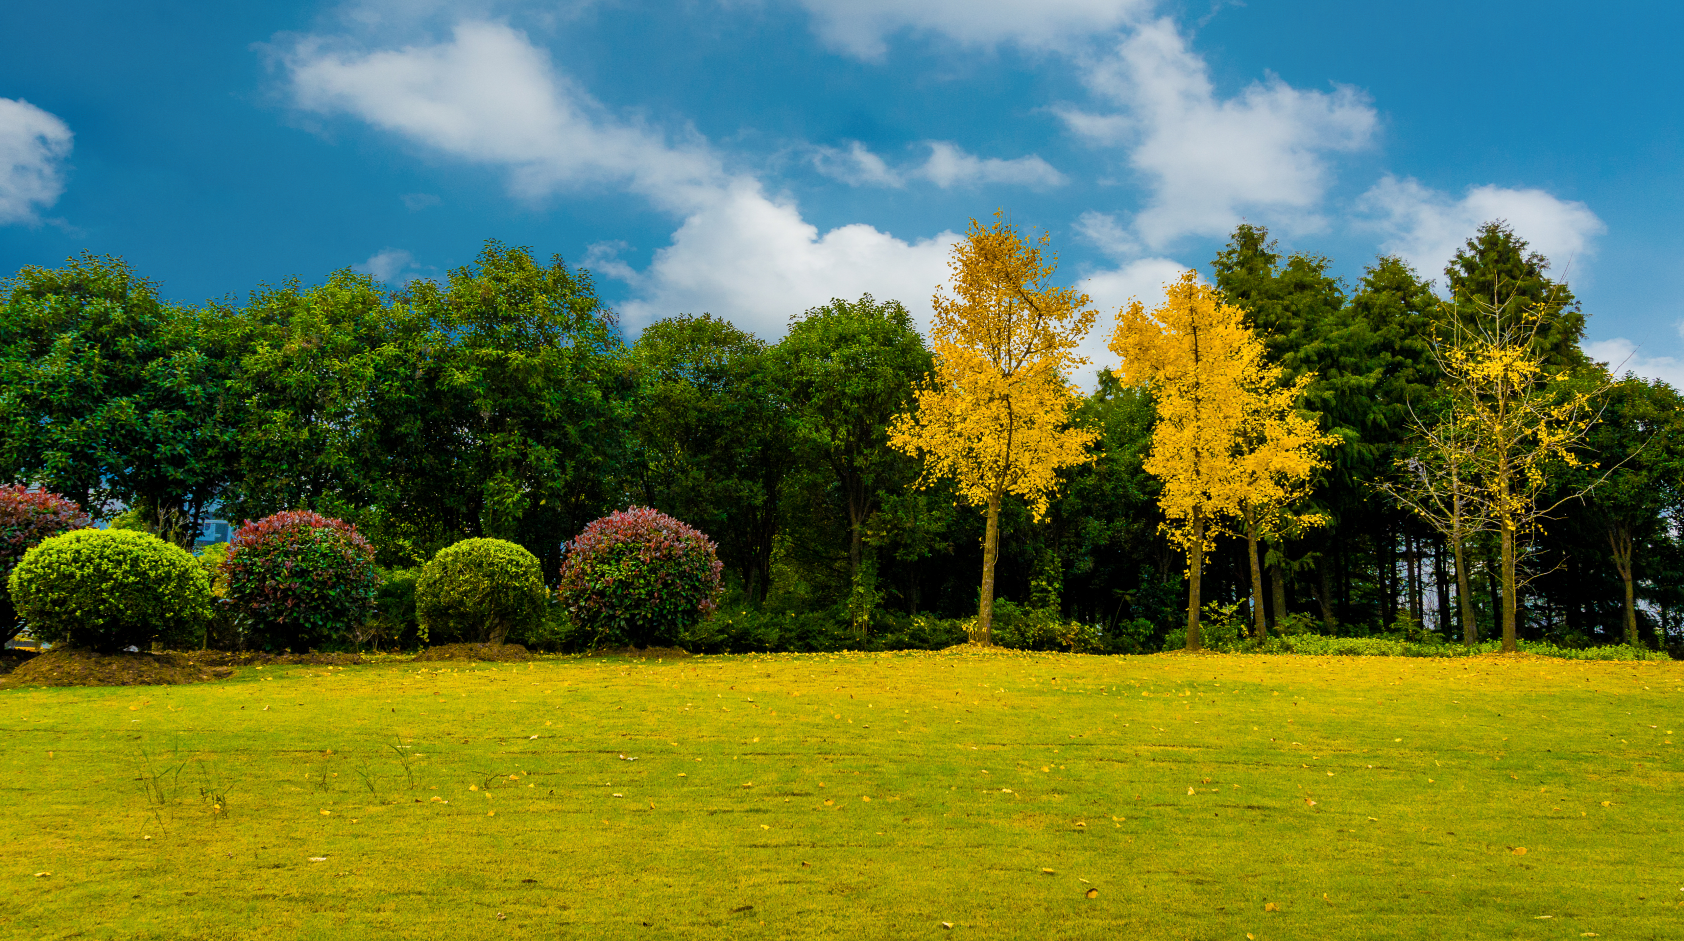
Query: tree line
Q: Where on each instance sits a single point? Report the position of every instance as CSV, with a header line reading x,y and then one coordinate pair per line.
x,y
506,401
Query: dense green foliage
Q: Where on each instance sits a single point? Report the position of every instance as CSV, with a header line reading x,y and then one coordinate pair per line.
x,y
26,518
111,589
299,581
639,577
504,402
480,591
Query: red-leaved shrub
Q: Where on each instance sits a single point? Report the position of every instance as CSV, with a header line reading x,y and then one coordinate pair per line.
x,y
639,577
299,580
26,518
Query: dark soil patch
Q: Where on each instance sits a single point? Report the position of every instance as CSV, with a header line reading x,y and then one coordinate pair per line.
x,y
247,658
493,653
647,653
86,668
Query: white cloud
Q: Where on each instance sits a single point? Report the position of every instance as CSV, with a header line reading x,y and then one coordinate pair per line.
x,y
488,96
1207,161
860,27
415,202
387,265
33,148
1623,356
756,262
948,165
1113,289
856,166
1426,226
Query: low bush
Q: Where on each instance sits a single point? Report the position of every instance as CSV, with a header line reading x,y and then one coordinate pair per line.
x,y
26,518
640,578
394,622
222,631
299,580
112,589
480,591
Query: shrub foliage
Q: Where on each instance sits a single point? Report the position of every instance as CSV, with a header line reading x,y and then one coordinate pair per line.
x,y
110,589
480,591
300,580
639,577
27,517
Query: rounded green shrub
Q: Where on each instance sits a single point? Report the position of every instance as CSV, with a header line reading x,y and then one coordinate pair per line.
x,y
27,517
639,577
300,581
109,589
480,591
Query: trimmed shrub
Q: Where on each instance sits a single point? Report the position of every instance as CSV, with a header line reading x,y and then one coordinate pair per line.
x,y
483,591
26,518
222,631
639,577
299,581
109,589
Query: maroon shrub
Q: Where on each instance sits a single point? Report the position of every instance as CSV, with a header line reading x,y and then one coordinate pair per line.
x,y
27,517
299,580
639,577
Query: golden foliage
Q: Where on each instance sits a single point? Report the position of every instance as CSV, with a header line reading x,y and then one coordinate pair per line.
x,y
994,416
1228,439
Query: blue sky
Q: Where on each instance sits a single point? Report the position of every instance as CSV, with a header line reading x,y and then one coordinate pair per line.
x,y
754,158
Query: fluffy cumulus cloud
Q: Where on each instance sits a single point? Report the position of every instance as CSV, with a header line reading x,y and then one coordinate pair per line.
x,y
1623,356
861,27
490,97
947,165
33,148
1425,226
389,265
1205,161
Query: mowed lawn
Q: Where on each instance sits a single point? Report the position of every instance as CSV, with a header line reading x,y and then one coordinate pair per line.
x,y
854,796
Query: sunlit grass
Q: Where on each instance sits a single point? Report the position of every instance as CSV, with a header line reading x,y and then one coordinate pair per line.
x,y
853,796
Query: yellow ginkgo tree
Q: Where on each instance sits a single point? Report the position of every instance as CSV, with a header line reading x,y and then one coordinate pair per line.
x,y
994,414
1229,445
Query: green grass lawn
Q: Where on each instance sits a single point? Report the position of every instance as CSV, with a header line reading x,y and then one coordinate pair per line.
x,y
863,795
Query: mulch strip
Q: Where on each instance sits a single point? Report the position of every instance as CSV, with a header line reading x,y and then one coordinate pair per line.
x,y
64,667
492,653
647,653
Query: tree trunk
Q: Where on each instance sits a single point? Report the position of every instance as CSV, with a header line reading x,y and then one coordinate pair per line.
x,y
1619,538
1277,588
1386,564
1324,578
1412,565
1442,583
990,553
1509,642
1195,562
1260,628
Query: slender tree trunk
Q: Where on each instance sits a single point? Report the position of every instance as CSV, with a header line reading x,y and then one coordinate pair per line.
x,y
1324,577
1442,583
1260,627
1277,588
990,553
1195,563
1386,562
1619,538
1464,598
1416,605
1509,642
